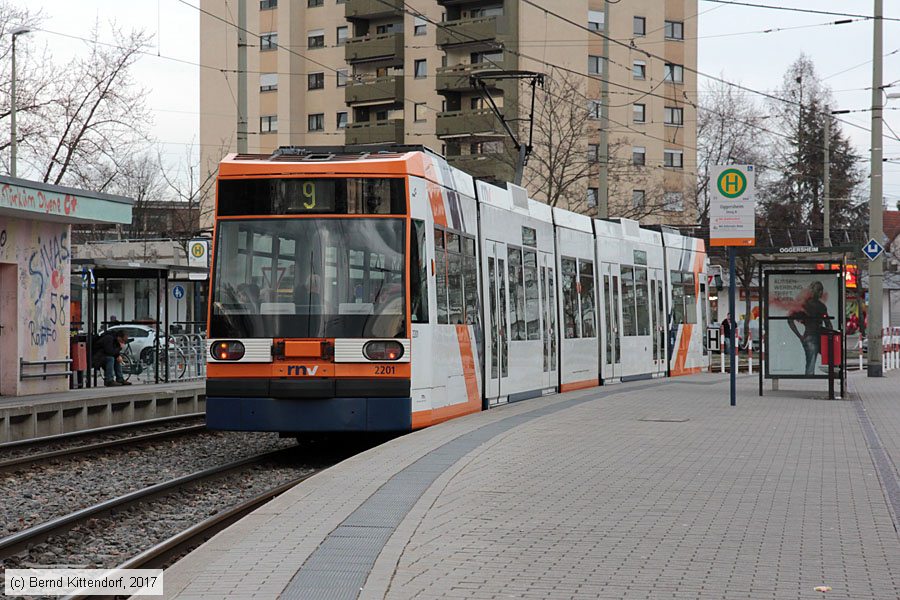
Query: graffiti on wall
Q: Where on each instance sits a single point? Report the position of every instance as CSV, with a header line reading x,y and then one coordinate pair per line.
x,y
47,202
43,252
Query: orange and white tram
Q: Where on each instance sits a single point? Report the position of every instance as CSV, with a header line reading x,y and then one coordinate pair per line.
x,y
387,291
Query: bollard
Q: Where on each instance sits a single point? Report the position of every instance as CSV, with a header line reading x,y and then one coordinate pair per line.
x,y
722,353
750,353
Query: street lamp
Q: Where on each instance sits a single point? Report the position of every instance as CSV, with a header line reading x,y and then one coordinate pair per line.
x,y
12,102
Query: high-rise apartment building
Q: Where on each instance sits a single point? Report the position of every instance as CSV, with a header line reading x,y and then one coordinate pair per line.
x,y
614,124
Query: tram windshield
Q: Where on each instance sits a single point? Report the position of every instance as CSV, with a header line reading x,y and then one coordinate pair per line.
x,y
309,278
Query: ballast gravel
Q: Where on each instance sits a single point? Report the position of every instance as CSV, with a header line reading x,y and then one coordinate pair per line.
x,y
39,492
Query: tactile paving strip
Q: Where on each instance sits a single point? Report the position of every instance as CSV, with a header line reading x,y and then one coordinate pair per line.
x,y
339,567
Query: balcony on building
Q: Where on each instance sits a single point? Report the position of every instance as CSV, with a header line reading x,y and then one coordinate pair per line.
x,y
373,9
457,78
374,90
384,48
375,132
484,166
468,123
464,32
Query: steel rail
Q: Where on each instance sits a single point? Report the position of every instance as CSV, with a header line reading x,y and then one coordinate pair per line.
x,y
28,459
158,556
97,430
12,544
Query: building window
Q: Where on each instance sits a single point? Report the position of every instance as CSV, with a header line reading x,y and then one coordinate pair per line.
x,y
267,4
674,30
639,155
639,69
268,82
594,109
637,198
268,41
315,81
639,111
419,25
419,112
674,116
421,68
342,33
674,201
268,124
315,38
595,65
596,20
673,158
640,26
592,195
342,76
314,3
593,152
674,73
316,122
342,120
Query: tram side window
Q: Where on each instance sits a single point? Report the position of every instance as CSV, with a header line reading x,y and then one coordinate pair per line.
x,y
470,280
440,276
454,279
642,298
532,296
588,318
571,322
677,298
516,295
690,298
418,274
629,313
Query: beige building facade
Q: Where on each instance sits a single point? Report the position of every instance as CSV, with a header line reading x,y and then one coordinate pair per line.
x,y
619,78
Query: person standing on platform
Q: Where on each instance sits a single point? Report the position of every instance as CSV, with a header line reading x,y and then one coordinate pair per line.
x,y
726,332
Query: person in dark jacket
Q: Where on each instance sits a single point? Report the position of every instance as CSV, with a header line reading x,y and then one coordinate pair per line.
x,y
107,353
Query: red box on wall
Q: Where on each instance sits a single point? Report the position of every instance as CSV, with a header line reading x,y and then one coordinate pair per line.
x,y
834,346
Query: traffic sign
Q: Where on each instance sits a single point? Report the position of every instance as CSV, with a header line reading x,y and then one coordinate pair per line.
x,y
873,249
178,292
732,206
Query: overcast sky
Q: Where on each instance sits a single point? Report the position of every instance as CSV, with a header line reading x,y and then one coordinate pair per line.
x,y
842,55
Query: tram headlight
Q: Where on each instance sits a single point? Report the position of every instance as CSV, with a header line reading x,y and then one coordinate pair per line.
x,y
383,350
227,350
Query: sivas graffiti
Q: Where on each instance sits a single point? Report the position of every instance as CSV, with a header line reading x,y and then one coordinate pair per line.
x,y
43,253
48,264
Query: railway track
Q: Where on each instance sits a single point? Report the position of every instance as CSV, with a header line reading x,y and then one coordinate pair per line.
x,y
21,540
35,457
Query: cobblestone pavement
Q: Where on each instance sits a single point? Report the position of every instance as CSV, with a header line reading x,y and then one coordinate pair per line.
x,y
650,490
767,500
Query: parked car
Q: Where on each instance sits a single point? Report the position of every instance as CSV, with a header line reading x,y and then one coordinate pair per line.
x,y
142,339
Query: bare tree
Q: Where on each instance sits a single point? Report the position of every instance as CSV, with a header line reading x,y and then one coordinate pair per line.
x,y
189,185
729,131
78,124
560,166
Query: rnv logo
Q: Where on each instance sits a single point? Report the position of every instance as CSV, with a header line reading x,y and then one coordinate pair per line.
x,y
301,370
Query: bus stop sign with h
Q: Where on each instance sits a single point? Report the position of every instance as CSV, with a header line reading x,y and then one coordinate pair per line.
x,y
732,222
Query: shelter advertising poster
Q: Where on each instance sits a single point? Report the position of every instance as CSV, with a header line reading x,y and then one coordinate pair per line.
x,y
801,307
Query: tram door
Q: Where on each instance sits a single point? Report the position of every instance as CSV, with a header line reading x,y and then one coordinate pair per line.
x,y
612,316
548,315
658,328
497,372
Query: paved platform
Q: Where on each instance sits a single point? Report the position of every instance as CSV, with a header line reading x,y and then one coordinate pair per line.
x,y
644,490
26,417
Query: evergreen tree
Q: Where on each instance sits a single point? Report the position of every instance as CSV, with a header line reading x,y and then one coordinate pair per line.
x,y
793,197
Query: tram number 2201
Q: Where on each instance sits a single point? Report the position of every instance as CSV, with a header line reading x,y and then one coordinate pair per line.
x,y
385,369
